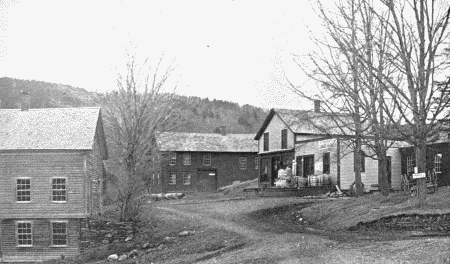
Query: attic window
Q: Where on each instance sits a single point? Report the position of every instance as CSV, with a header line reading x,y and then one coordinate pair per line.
x,y
284,139
266,141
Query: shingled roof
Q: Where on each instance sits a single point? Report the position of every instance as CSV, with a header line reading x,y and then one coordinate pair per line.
x,y
306,122
50,129
206,142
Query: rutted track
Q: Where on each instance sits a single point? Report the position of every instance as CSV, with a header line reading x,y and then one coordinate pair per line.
x,y
267,244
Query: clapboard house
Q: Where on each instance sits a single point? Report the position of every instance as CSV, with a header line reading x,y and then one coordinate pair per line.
x,y
203,162
316,146
51,175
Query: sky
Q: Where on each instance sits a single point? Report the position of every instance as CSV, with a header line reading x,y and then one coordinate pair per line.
x,y
233,50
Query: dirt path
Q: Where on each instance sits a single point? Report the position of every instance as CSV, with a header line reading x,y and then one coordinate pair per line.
x,y
223,224
266,245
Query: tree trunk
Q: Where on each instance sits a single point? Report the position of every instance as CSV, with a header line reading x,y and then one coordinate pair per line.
x,y
383,183
357,153
421,162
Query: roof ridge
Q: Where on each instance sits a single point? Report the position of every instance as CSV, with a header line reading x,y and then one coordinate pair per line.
x,y
53,108
206,133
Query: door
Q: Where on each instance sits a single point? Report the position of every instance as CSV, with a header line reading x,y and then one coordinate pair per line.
x,y
299,169
308,165
275,167
264,170
207,181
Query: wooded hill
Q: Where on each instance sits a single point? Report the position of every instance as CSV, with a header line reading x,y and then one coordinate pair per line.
x,y
197,114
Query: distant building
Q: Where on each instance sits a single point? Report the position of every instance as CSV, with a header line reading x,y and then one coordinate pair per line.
x,y
191,162
315,146
51,180
438,157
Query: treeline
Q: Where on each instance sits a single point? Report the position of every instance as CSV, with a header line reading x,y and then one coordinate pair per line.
x,y
196,114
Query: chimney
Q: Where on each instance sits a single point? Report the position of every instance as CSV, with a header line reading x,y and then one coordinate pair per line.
x,y
317,106
24,100
223,130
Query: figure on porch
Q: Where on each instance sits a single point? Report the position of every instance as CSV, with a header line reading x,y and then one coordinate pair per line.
x,y
284,179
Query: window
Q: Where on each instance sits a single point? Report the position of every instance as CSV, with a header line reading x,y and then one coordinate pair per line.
x,y
284,139
172,159
363,162
256,163
207,159
438,163
326,163
23,190
187,175
242,163
187,159
172,178
299,169
153,179
59,190
266,141
24,234
410,164
59,233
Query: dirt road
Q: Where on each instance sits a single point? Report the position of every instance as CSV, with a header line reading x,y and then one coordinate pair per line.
x,y
273,242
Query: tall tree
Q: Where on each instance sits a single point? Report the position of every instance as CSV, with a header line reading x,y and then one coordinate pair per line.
x,y
139,107
420,93
355,100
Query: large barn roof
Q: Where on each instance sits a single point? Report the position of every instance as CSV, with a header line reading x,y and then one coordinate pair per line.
x,y
50,129
206,142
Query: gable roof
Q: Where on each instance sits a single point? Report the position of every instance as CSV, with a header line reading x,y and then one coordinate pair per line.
x,y
206,142
51,129
305,122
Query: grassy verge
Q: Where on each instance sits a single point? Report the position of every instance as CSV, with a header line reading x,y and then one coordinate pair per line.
x,y
344,213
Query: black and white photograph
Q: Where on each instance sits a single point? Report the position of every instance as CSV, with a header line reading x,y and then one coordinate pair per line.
x,y
225,131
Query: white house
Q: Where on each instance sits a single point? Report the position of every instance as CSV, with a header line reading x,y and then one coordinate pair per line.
x,y
315,145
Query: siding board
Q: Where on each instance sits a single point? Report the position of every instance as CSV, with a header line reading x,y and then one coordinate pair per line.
x,y
41,167
41,249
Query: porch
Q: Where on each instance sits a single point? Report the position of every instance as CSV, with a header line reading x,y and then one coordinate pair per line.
x,y
294,191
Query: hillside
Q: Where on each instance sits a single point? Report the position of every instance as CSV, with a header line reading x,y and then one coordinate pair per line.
x,y
198,114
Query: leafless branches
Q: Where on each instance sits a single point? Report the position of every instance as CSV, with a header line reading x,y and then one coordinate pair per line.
x,y
134,112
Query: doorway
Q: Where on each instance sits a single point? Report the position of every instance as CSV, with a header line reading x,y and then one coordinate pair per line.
x,y
308,165
207,181
275,167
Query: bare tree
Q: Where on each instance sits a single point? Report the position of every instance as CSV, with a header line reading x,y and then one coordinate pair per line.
x,y
352,98
134,112
419,28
